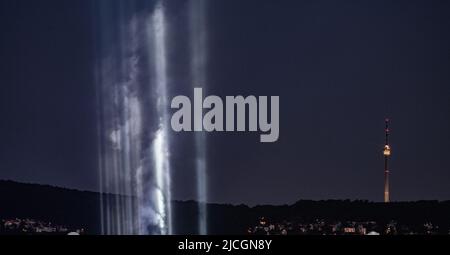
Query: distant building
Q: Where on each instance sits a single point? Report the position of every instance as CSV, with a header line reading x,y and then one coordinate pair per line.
x,y
349,230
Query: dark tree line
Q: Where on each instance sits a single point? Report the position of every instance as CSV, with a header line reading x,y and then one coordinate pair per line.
x,y
76,209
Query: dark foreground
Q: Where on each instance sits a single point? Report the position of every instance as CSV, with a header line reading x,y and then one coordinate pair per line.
x,y
64,210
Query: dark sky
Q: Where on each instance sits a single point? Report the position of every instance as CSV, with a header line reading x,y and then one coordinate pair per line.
x,y
339,67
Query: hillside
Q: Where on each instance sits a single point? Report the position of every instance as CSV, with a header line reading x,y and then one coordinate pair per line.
x,y
76,209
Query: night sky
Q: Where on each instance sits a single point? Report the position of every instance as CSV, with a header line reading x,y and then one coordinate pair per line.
x,y
339,67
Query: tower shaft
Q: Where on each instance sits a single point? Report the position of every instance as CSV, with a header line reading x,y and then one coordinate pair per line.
x,y
386,180
387,154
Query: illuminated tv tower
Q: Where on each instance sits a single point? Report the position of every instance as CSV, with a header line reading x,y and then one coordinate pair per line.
x,y
387,154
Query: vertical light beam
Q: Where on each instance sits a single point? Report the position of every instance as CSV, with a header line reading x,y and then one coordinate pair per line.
x,y
160,143
134,167
198,47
